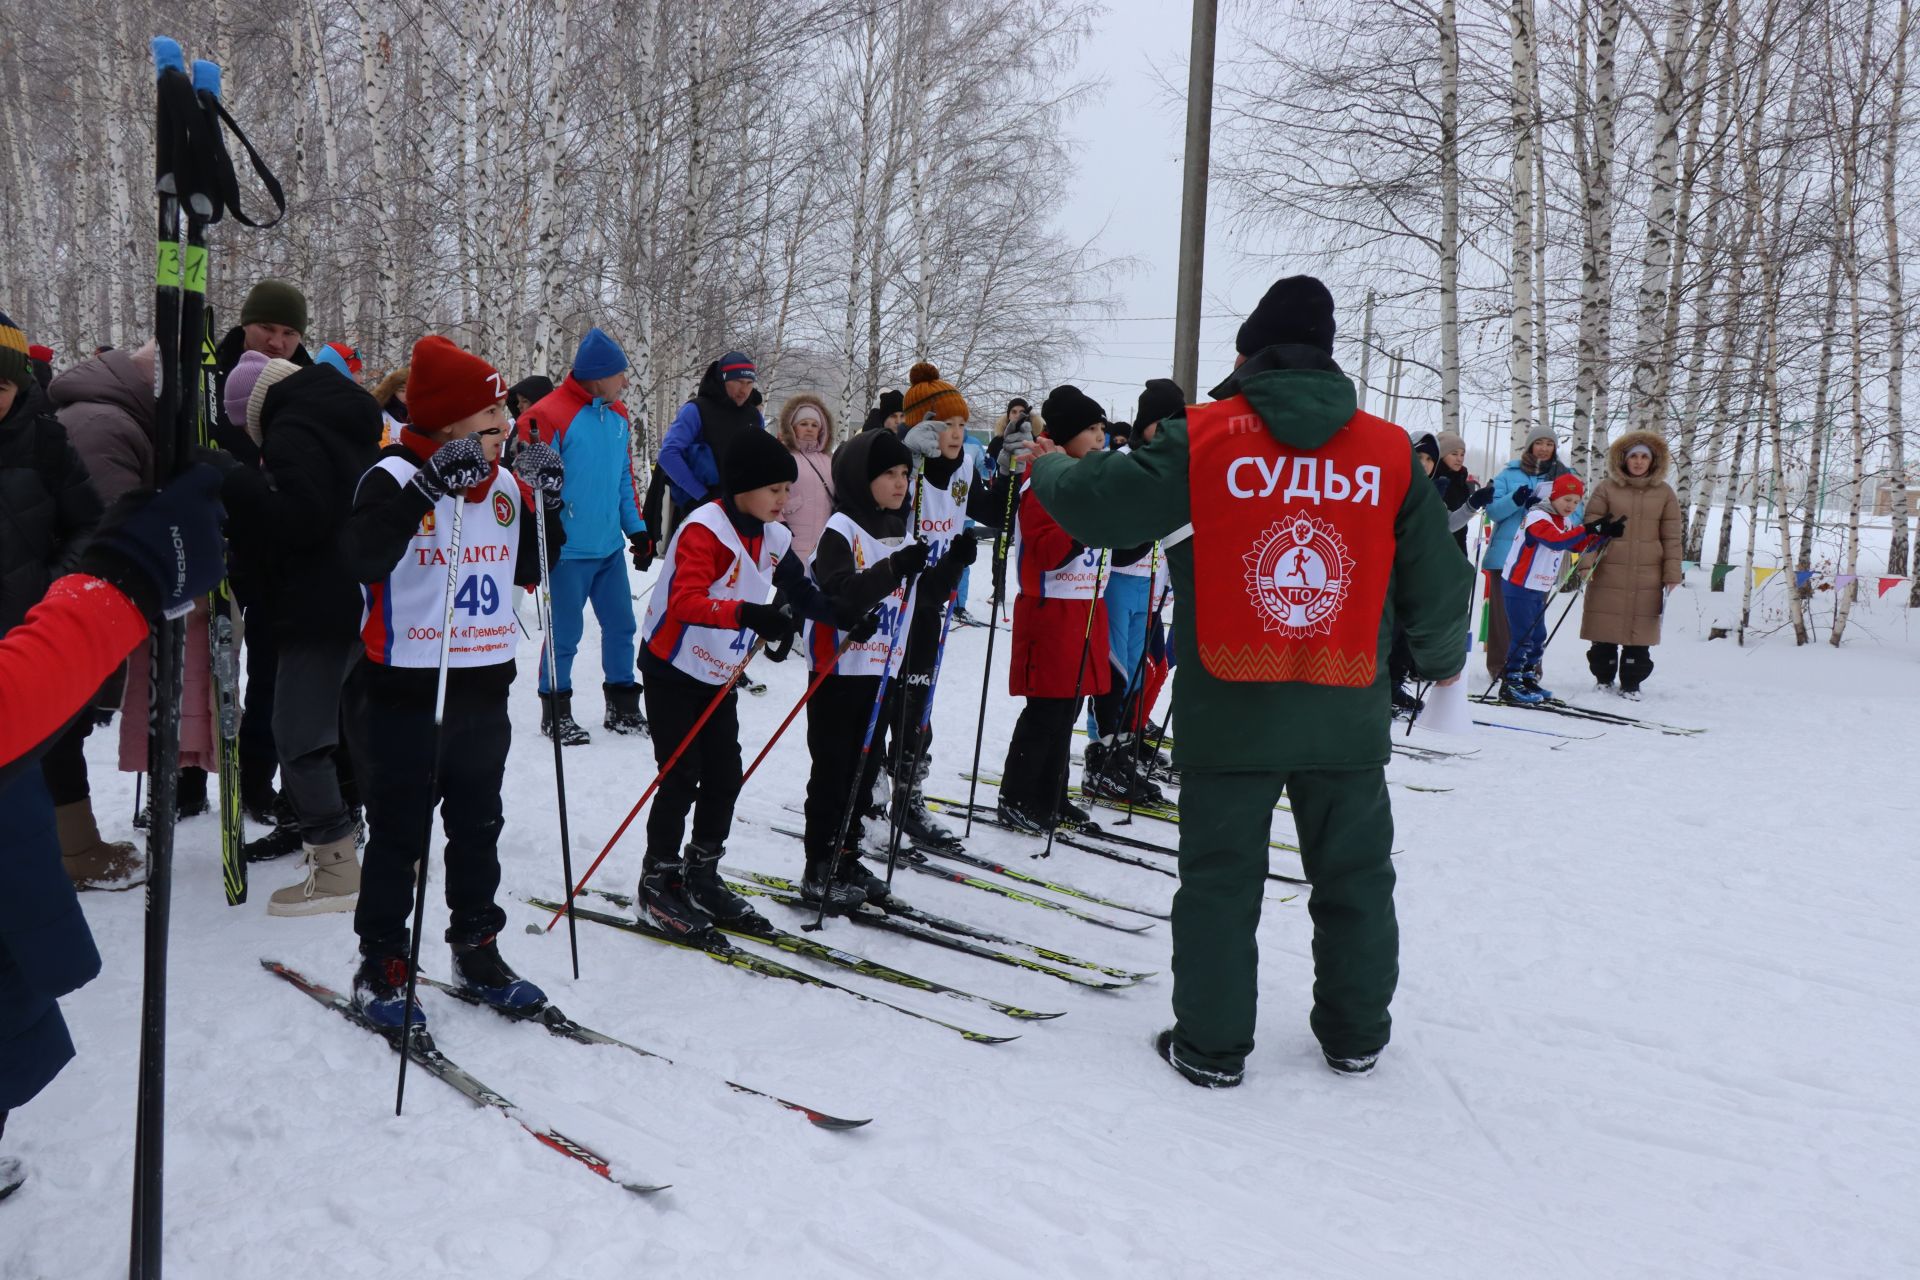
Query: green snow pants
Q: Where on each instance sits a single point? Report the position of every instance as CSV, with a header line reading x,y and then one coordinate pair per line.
x,y
1346,838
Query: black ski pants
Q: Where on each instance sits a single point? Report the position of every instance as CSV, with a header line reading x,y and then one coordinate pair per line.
x,y
837,717
915,684
706,779
1035,777
393,739
315,772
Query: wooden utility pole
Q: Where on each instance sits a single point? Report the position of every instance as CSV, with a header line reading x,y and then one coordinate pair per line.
x,y
1193,199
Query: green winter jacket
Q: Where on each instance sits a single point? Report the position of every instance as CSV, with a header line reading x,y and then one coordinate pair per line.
x,y
1114,499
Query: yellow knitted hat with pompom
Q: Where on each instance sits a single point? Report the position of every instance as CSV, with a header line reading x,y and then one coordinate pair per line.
x,y
927,394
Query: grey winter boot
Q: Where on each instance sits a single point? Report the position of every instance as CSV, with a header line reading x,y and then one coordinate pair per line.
x,y
93,863
332,883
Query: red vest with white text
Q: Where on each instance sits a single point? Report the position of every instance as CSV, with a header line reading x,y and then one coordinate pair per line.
x,y
1292,550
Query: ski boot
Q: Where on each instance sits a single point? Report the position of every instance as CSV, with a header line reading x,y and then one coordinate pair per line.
x,y
380,994
1015,818
819,883
854,875
709,893
1406,704
623,709
556,717
483,973
1533,685
922,827
1516,691
1070,815
662,902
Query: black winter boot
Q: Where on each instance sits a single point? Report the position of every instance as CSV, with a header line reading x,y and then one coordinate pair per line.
x,y
1604,661
484,974
1636,664
710,895
623,709
556,716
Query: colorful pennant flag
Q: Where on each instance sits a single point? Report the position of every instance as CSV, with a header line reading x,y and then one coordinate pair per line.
x,y
1689,564
1761,574
1888,584
1845,578
1720,572
1802,577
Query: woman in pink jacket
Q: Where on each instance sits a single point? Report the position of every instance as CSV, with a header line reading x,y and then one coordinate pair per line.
x,y
806,427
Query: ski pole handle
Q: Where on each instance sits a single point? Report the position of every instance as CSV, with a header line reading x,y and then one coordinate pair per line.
x,y
206,77
167,56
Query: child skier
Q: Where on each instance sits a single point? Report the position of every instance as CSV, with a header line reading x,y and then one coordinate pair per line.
x,y
1532,572
1059,635
1115,767
397,542
863,559
946,499
699,628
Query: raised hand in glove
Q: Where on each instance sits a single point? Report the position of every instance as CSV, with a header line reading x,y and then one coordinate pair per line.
x,y
162,550
774,623
1014,446
1480,497
924,440
455,466
541,469
910,559
643,548
1613,527
1525,496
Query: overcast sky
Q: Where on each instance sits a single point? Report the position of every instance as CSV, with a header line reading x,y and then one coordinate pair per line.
x,y
1129,151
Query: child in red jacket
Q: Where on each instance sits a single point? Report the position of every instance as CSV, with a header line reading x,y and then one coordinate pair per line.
x,y
1059,635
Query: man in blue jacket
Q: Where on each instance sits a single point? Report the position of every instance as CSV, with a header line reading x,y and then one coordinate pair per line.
x,y
1518,485
600,508
694,451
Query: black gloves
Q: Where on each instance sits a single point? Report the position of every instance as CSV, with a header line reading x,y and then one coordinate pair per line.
x,y
1606,526
774,623
866,627
1524,497
455,466
1480,497
909,559
162,550
643,548
542,471
964,550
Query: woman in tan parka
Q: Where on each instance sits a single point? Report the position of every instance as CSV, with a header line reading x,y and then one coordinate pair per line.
x,y
1631,582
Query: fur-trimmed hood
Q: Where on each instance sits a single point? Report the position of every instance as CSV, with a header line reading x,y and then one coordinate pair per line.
x,y
1617,459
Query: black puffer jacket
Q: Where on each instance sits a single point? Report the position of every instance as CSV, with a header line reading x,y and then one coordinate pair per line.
x,y
48,507
229,435
319,434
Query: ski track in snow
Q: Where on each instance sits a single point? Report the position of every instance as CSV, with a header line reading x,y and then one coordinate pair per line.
x,y
1656,1018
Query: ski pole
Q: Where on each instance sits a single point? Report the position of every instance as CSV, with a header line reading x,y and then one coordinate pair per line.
x,y
1136,689
1000,537
175,108
658,778
1079,683
818,679
543,601
866,747
433,781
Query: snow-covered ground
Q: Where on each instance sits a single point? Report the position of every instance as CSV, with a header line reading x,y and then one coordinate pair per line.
x,y
1657,1018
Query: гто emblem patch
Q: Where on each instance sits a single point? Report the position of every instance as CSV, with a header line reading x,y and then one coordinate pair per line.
x,y
1298,574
